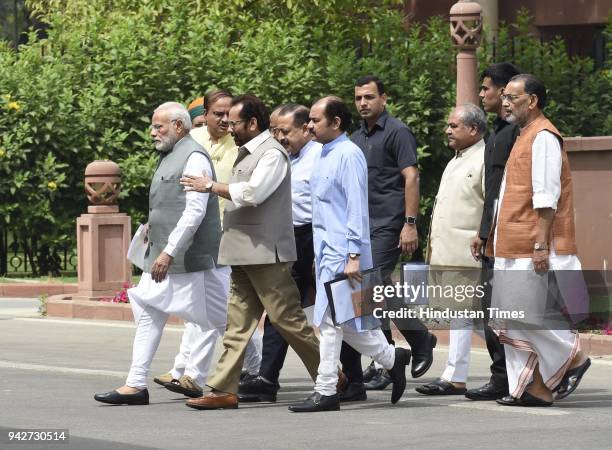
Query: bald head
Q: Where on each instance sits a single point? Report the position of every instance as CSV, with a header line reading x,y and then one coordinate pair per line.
x,y
329,118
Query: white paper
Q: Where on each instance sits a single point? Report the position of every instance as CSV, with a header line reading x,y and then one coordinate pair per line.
x,y
343,304
138,248
415,275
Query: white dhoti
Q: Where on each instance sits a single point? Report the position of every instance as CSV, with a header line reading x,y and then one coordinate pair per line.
x,y
199,298
551,350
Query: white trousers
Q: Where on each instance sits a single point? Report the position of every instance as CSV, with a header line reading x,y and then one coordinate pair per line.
x,y
459,346
252,355
201,343
176,295
204,342
149,329
551,350
370,343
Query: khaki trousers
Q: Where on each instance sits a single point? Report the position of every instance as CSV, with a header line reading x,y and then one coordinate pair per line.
x,y
255,288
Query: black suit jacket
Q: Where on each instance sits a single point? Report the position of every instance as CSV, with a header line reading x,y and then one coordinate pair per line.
x,y
497,150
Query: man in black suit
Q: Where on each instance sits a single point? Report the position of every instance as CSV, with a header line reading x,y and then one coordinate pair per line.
x,y
493,81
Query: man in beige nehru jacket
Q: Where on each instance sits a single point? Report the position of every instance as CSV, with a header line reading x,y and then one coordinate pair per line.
x,y
258,242
455,221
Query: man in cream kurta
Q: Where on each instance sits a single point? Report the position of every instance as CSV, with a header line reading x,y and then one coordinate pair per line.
x,y
456,220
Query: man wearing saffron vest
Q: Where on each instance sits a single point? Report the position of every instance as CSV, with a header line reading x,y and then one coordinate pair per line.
x,y
258,242
180,276
534,231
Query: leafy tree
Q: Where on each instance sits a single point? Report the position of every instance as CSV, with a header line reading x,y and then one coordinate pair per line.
x,y
87,88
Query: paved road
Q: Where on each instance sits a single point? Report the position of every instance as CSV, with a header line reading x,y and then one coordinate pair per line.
x,y
50,370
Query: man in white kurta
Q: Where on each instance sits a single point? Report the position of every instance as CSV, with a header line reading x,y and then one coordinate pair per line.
x,y
540,361
197,296
455,220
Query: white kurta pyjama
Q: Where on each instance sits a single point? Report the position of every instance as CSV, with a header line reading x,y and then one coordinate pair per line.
x,y
199,298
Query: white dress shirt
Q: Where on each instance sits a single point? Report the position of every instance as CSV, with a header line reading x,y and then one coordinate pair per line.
x,y
265,179
301,169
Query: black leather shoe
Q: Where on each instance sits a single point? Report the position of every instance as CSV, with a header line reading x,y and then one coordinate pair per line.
x,y
115,398
317,402
379,381
397,373
354,392
369,372
422,360
487,392
244,376
257,390
440,387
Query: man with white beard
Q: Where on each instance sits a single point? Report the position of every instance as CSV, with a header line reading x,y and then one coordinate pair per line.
x,y
180,276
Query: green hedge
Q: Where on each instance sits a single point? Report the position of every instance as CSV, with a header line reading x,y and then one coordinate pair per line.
x,y
86,90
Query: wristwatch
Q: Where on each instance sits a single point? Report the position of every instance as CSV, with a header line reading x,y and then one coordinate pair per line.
x,y
353,255
208,186
410,220
540,246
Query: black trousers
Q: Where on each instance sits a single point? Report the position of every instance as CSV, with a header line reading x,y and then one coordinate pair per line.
x,y
274,346
499,376
385,254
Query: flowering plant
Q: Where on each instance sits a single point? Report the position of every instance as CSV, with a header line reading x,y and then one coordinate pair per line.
x,y
121,296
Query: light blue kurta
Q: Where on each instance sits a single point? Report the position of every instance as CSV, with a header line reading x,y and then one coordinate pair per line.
x,y
340,222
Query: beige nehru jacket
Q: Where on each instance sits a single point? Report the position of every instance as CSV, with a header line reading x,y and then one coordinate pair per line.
x,y
458,209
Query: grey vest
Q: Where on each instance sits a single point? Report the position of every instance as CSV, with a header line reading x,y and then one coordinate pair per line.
x,y
167,201
259,234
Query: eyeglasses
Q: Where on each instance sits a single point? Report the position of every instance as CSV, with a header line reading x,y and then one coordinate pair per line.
x,y
159,127
233,123
511,98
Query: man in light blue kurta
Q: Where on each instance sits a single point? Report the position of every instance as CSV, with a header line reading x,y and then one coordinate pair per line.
x,y
341,238
340,214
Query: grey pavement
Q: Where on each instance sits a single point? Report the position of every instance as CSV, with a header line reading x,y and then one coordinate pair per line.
x,y
50,369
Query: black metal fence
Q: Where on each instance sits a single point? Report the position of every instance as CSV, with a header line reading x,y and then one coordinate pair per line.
x,y
25,255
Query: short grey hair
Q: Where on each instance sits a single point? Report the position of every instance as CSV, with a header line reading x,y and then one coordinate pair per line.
x,y
472,115
176,111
